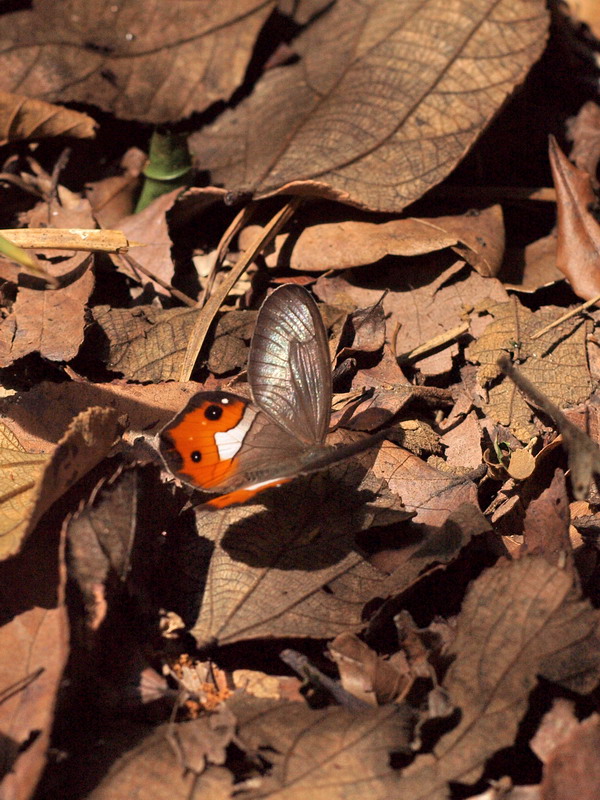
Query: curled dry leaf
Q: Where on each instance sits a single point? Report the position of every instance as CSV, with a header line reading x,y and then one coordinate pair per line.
x,y
519,620
292,569
49,321
105,53
386,98
24,118
578,231
33,482
478,236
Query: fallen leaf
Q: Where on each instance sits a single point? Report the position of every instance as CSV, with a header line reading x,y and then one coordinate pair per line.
x,y
586,11
33,482
49,321
100,540
584,131
24,118
229,350
146,343
176,762
533,266
432,494
34,646
556,362
463,443
546,527
291,568
365,674
557,725
112,198
520,619
325,754
478,236
106,53
360,118
572,769
578,232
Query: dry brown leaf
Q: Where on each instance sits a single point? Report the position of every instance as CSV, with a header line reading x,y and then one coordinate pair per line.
x,y
325,754
463,443
365,674
150,228
586,11
141,60
573,768
229,351
546,527
530,267
34,645
24,118
100,540
292,569
416,295
555,362
479,237
49,321
519,620
556,726
112,198
584,131
387,97
146,343
33,482
432,494
578,231
176,762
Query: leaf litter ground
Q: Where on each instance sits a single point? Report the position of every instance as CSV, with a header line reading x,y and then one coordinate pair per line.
x,y
420,621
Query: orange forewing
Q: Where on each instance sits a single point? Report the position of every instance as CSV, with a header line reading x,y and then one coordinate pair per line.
x,y
192,450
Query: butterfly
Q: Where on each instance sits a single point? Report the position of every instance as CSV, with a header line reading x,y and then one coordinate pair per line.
x,y
224,443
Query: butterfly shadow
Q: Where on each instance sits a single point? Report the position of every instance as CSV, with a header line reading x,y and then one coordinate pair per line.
x,y
307,525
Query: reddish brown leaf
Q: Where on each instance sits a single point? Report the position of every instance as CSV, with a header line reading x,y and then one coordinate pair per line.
x,y
24,118
546,527
578,242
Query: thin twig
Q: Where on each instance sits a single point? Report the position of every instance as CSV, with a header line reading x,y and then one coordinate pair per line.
x,y
433,344
214,302
236,225
135,265
573,312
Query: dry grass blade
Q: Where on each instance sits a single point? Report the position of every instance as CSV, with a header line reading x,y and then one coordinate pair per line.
x,y
61,239
207,315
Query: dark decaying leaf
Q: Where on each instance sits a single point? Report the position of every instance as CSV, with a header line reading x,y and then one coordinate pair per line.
x,y
141,60
385,100
520,620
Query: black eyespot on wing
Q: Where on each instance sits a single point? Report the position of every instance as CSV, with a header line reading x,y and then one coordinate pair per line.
x,y
196,456
213,412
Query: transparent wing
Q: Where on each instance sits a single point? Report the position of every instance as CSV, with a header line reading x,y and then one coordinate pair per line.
x,y
289,369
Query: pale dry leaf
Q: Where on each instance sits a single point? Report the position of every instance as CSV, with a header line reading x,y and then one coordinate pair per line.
x,y
557,725
386,98
325,754
520,619
33,482
48,321
176,762
412,306
555,362
22,117
292,568
351,243
432,494
146,343
573,768
141,60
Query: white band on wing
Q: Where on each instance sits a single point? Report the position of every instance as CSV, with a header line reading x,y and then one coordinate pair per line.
x,y
229,442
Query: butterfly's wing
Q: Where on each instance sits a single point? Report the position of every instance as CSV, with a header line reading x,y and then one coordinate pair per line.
x,y
289,369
